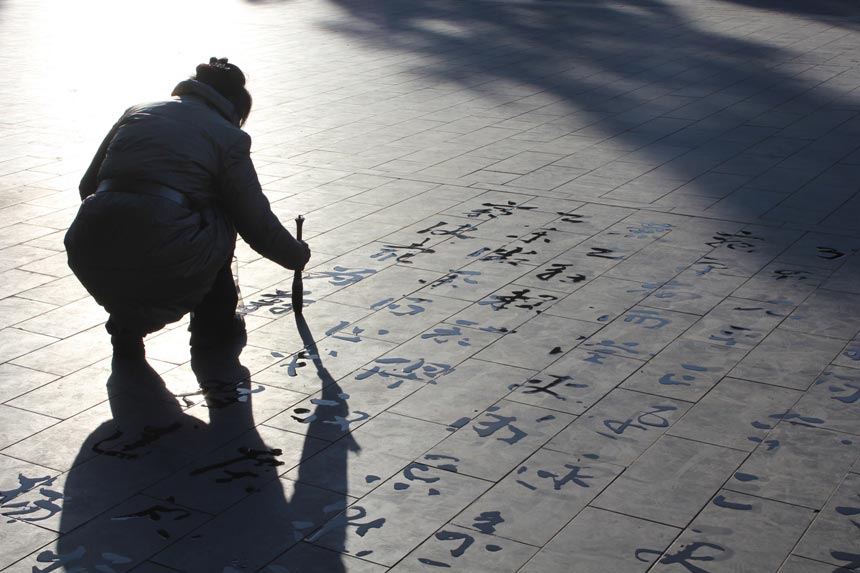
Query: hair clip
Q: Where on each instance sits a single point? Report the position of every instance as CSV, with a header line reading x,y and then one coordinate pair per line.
x,y
220,64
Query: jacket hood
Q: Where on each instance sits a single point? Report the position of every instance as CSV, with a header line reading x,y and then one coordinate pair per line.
x,y
210,95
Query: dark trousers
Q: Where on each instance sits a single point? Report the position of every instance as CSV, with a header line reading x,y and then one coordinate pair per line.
x,y
217,310
215,313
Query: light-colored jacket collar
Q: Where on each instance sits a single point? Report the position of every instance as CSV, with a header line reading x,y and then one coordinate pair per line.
x,y
208,94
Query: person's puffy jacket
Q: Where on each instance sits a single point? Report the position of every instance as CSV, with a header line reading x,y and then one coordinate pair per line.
x,y
193,144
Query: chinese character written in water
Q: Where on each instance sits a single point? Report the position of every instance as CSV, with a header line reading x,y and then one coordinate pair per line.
x,y
443,335
644,288
668,379
731,335
557,269
538,386
341,276
403,253
66,561
297,361
685,556
540,235
852,560
486,428
330,412
493,210
350,518
155,513
454,277
601,253
335,332
849,511
473,324
451,467
558,481
707,264
791,417
415,370
513,256
409,306
791,274
247,457
35,510
487,521
569,217
518,298
644,230
650,319
829,253
25,484
459,233
612,347
671,291
740,241
467,542
411,475
278,302
130,448
845,388
645,420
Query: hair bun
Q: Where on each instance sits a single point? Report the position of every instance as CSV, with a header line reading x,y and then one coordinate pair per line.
x,y
219,72
228,80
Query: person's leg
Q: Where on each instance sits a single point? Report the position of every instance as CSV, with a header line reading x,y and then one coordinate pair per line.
x,y
127,341
214,320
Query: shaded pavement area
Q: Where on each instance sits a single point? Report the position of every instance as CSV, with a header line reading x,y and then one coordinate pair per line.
x,y
584,294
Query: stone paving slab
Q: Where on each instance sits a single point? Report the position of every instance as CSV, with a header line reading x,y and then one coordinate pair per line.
x,y
583,296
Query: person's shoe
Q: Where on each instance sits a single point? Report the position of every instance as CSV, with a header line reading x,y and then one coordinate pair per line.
x,y
208,337
128,347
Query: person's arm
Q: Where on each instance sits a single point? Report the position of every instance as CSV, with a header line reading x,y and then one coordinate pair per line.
x,y
251,213
90,181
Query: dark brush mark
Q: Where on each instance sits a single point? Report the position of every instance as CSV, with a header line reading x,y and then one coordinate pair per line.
x,y
487,522
721,501
432,563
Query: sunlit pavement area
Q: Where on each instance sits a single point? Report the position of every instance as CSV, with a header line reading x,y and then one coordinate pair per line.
x,y
584,293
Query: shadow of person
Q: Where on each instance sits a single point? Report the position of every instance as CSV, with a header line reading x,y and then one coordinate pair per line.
x,y
158,483
331,409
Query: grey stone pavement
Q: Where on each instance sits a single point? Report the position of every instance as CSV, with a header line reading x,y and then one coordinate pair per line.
x,y
584,294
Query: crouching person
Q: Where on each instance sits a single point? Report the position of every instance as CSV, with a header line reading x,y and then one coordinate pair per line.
x,y
168,190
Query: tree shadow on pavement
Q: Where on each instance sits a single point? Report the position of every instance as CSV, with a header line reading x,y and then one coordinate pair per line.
x,y
845,12
688,108
680,89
